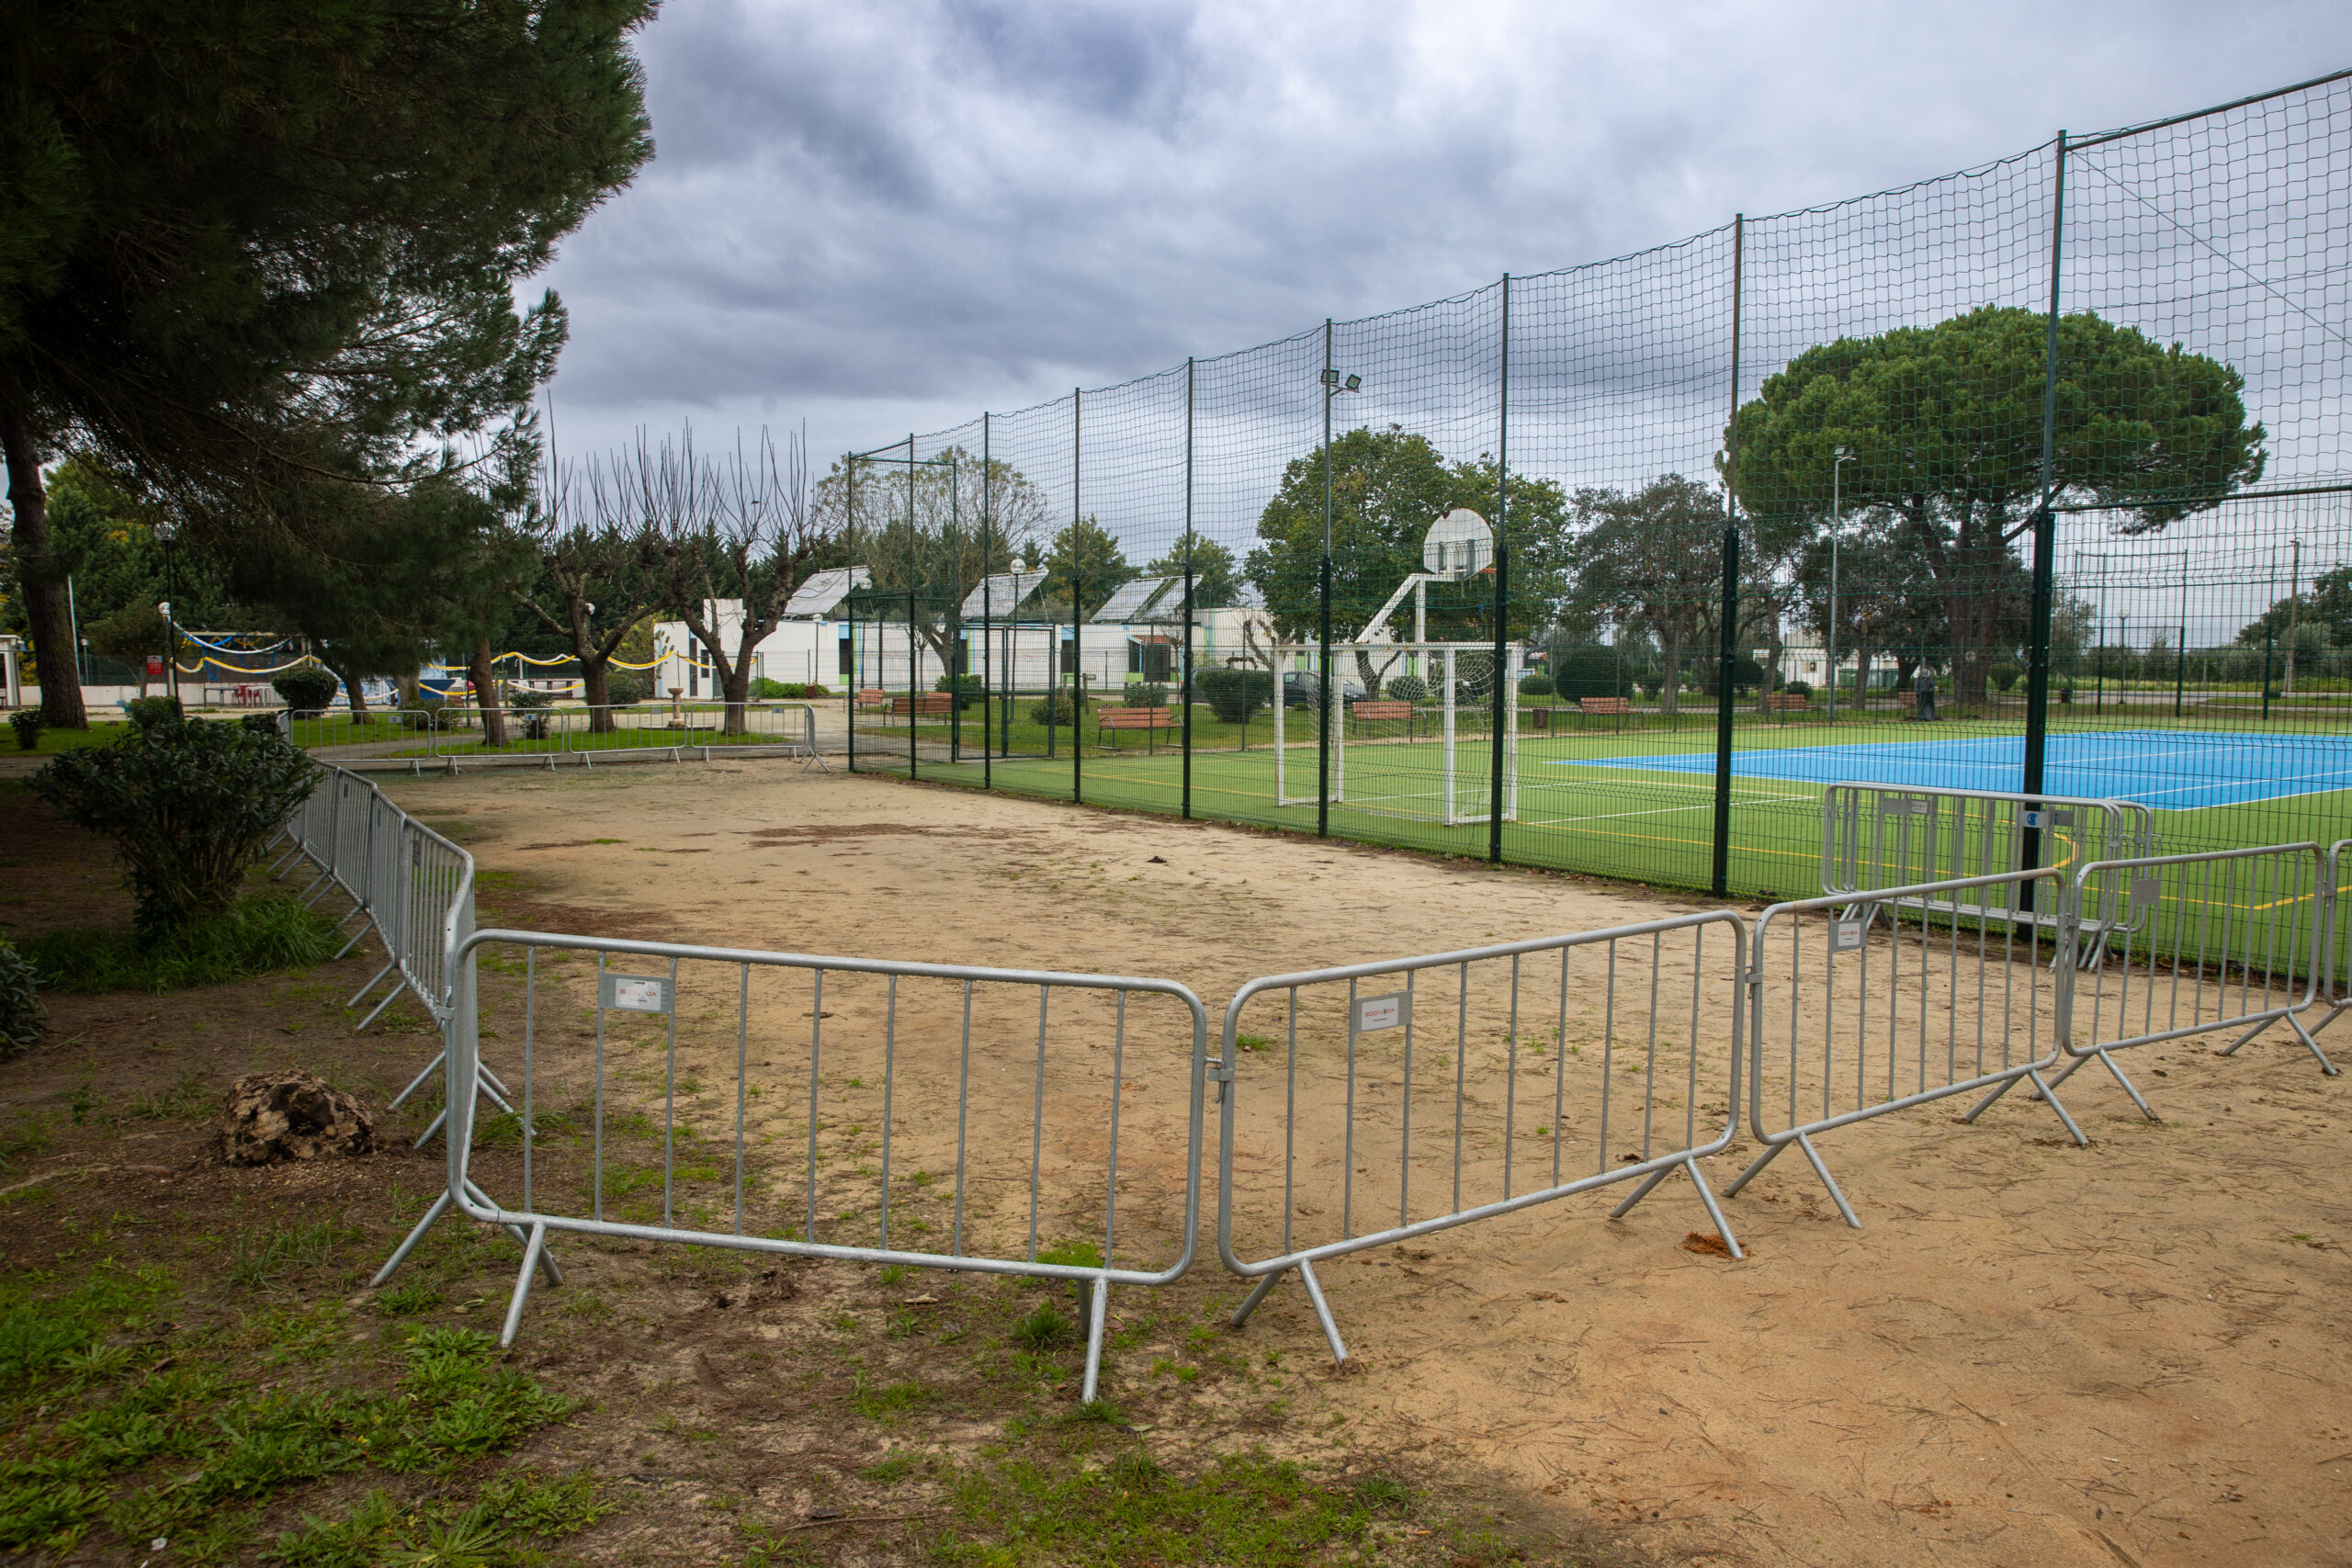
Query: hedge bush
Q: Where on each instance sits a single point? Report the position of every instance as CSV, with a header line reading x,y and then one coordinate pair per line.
x,y
1055,710
27,723
144,711
189,806
1535,684
623,687
307,690
1407,688
1234,693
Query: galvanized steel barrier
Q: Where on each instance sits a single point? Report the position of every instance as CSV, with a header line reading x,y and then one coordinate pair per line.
x,y
1017,1095
446,735
1852,1023
415,887
1876,836
2231,938
1650,1035
2336,973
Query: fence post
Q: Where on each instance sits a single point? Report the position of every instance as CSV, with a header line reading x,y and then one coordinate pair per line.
x,y
1726,652
914,653
1076,596
1505,692
988,610
1323,638
856,664
1184,688
2046,541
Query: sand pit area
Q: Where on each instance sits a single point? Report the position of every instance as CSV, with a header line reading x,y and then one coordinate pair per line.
x,y
2133,1353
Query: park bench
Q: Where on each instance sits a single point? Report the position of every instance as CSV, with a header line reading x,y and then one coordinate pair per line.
x,y
1151,721
1604,707
873,698
1387,708
922,704
1787,702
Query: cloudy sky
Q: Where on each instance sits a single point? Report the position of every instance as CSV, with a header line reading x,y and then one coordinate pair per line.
x,y
888,215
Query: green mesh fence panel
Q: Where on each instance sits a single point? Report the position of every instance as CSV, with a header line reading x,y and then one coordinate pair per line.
x,y
1125,595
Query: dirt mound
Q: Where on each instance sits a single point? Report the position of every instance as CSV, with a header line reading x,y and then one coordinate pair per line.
x,y
291,1115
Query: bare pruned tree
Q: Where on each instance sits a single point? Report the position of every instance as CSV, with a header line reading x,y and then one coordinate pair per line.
x,y
600,571
736,530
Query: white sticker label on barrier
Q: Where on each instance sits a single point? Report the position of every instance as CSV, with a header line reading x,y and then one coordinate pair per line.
x,y
1845,936
1390,1011
637,993
2145,890
2031,819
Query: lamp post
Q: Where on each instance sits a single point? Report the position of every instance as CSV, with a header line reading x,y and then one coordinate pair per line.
x,y
1333,385
166,530
1836,472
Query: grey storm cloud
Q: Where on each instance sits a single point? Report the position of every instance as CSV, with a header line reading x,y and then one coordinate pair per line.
x,y
893,214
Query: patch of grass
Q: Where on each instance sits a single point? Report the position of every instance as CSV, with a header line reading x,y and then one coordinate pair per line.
x,y
409,1300
1045,1328
264,933
885,1402
1245,1508
894,1466
259,1260
182,1449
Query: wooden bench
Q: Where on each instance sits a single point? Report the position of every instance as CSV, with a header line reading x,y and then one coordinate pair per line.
x,y
1151,721
1787,702
873,698
1371,712
1617,706
924,704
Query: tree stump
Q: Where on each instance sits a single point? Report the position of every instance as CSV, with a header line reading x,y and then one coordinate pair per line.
x,y
291,1115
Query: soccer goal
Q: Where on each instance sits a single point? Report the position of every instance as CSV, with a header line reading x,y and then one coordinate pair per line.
x,y
1422,749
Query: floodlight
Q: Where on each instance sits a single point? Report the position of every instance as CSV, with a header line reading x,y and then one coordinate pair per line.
x,y
1330,377
1354,384
1843,454
164,529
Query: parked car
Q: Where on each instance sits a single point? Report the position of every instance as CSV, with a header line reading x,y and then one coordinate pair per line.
x,y
1304,689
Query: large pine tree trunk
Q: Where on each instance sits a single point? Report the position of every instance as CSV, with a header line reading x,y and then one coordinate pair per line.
x,y
48,618
485,686
597,689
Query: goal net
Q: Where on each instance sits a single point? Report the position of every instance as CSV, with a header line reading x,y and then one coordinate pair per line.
x,y
1411,729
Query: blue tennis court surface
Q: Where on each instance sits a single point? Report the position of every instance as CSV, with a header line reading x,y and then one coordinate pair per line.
x,y
2169,769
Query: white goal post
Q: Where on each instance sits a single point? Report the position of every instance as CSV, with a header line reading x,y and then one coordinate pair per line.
x,y
1443,778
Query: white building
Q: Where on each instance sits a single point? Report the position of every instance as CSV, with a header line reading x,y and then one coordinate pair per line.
x,y
1126,642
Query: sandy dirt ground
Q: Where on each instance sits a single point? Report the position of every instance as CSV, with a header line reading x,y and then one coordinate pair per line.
x,y
2132,1353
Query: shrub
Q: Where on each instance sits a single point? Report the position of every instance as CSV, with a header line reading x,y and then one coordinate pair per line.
x,y
769,691
625,686
1234,693
1146,694
1409,688
526,699
969,689
1054,710
1535,684
261,724
145,711
21,1013
189,806
1798,688
273,932
307,689
2004,676
26,722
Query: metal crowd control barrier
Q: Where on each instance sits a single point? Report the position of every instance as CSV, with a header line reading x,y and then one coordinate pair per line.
x,y
1883,836
2335,972
415,887
449,734
1628,1066
1009,1090
2232,938
1850,1023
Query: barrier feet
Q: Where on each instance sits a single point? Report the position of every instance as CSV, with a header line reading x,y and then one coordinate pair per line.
x,y
1706,1196
532,1250
360,995
2129,1086
2050,1094
1314,1294
1098,1307
1836,1194
400,1254
1323,1312
2325,1066
1771,1152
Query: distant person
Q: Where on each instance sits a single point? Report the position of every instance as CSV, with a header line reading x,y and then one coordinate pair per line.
x,y
1923,690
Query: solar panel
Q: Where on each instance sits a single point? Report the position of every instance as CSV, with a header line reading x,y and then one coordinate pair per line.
x,y
1000,594
1127,604
826,589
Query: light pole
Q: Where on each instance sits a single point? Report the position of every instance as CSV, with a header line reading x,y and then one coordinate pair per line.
x,y
1836,472
166,529
1333,385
